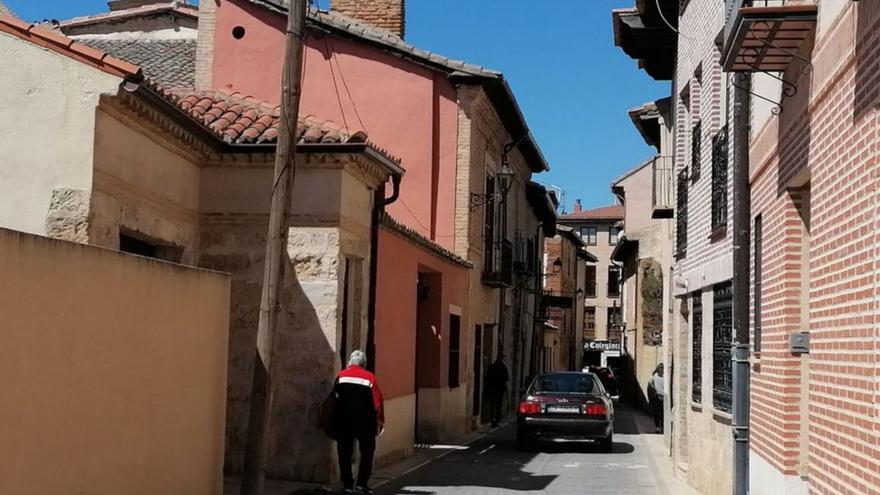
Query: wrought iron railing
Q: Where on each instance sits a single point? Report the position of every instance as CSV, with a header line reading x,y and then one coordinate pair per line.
x,y
663,195
720,151
722,333
697,347
681,213
500,272
696,150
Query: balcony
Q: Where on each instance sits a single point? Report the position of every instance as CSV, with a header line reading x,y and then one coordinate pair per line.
x,y
766,35
499,273
663,200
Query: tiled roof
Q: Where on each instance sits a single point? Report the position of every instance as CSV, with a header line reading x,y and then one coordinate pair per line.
x,y
58,43
411,235
164,8
244,120
612,212
170,63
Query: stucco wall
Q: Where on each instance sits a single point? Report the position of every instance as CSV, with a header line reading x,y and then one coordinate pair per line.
x,y
403,106
115,370
142,185
47,127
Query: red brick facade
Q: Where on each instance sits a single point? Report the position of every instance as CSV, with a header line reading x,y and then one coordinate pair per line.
x,y
827,137
386,14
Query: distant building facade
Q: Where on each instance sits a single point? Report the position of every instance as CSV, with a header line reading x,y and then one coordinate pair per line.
x,y
599,229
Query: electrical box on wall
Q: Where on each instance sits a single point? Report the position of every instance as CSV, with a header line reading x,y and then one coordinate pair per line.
x,y
799,343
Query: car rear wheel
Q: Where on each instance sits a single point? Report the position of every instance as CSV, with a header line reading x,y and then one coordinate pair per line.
x,y
607,443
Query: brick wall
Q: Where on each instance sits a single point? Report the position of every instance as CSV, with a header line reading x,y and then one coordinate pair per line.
x,y
387,14
831,133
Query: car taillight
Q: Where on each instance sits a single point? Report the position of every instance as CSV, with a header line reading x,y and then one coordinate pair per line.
x,y
596,410
529,408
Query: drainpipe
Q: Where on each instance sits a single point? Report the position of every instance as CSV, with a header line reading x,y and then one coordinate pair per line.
x,y
379,204
741,242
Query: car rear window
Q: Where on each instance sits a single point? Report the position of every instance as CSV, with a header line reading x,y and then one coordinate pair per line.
x,y
563,383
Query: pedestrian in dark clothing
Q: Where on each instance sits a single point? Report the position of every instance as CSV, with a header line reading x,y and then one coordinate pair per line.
x,y
359,415
496,387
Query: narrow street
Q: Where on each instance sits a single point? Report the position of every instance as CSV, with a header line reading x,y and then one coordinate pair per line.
x,y
492,464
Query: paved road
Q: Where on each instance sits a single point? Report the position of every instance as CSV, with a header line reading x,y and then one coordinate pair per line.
x,y
493,465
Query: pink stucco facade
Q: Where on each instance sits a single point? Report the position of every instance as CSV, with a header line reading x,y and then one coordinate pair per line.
x,y
407,108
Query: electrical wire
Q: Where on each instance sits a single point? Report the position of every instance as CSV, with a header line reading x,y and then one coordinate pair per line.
x,y
345,85
336,86
668,24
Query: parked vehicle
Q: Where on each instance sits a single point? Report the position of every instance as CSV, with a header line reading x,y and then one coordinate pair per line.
x,y
608,379
566,405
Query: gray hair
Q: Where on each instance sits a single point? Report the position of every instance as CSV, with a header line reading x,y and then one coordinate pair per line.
x,y
358,358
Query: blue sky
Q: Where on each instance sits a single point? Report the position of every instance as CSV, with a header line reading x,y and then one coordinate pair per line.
x,y
572,83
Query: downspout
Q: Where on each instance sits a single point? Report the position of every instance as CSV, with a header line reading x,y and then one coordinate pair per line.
x,y
741,243
379,204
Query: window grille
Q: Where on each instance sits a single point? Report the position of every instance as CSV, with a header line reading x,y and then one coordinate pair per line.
x,y
722,333
719,179
696,149
681,213
697,347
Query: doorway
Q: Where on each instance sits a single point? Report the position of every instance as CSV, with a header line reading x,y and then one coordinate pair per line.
x,y
478,370
429,337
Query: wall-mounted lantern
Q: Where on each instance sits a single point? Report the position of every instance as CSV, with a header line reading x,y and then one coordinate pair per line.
x,y
504,178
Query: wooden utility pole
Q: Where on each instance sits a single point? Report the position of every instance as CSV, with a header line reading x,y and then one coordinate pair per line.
x,y
276,248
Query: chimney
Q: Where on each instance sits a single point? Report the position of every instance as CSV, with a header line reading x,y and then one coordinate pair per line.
x,y
577,206
385,14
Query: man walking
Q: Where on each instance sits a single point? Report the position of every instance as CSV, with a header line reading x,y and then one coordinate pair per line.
x,y
359,415
496,387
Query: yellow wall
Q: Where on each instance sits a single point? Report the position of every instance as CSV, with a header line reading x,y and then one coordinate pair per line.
x,y
113,369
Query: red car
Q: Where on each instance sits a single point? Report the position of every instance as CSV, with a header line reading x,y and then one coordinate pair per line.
x,y
566,405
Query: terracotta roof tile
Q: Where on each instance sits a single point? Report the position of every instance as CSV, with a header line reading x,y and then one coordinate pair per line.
x,y
242,120
66,46
169,7
611,212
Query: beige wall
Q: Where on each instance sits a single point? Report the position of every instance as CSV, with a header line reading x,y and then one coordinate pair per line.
x,y
142,185
47,123
115,372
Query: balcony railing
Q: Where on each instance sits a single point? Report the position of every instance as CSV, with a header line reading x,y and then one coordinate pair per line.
x,y
663,190
500,272
766,35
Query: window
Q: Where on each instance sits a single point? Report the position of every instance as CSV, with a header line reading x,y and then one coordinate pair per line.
x,y
613,281
697,347
588,234
719,179
590,289
681,214
613,234
759,255
128,244
454,350
489,227
696,149
615,323
722,333
590,322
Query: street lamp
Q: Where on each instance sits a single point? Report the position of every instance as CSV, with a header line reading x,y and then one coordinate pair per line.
x,y
504,177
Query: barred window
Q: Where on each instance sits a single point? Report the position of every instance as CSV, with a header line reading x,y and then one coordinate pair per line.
x,y
719,179
759,259
722,333
681,224
696,149
697,347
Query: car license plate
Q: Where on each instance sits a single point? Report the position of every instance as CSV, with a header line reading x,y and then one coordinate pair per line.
x,y
563,409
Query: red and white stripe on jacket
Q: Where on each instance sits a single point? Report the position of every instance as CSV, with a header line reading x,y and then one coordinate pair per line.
x,y
355,375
